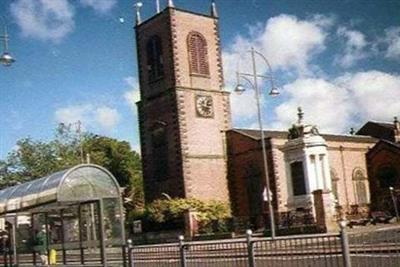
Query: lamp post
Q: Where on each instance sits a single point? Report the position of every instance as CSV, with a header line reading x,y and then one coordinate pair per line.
x,y
6,59
273,92
396,210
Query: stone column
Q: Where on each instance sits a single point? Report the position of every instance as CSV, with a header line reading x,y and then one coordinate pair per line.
x,y
324,206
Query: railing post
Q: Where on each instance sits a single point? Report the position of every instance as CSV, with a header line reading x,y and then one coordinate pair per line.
x,y
345,244
130,253
250,248
182,248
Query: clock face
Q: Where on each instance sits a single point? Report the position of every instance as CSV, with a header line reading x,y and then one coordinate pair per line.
x,y
204,106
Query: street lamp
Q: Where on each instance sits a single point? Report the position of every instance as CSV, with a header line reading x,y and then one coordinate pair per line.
x,y
396,210
273,92
6,59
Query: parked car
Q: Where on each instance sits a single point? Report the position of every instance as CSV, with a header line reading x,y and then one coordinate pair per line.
x,y
357,220
380,217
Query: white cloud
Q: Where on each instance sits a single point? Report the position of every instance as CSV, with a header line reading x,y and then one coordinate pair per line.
x,y
290,42
101,6
72,114
102,117
324,103
44,19
107,117
131,81
336,105
392,39
243,106
287,42
354,49
133,95
376,94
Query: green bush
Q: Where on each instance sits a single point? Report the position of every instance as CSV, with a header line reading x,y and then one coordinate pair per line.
x,y
212,216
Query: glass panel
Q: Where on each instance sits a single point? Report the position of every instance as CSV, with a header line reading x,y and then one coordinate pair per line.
x,y
53,180
55,230
90,224
25,240
71,224
87,183
112,220
39,222
4,194
48,190
31,194
14,200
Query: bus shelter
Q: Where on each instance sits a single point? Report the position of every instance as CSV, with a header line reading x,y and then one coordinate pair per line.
x,y
79,210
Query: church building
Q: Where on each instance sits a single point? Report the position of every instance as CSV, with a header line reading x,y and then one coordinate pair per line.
x,y
190,150
183,111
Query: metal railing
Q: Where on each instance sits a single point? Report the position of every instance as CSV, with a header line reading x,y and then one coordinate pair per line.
x,y
311,250
377,248
374,248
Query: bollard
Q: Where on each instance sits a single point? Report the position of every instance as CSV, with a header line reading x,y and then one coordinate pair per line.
x,y
130,253
250,248
182,248
53,257
345,244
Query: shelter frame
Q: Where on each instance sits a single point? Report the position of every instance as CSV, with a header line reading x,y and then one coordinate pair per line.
x,y
85,189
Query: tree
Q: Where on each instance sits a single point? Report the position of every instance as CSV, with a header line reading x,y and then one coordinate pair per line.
x,y
114,155
33,159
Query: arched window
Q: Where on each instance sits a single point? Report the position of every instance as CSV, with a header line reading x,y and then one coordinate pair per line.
x,y
360,179
154,58
361,192
198,58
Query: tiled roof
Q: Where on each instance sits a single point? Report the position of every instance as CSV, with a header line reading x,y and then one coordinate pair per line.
x,y
256,134
380,130
397,145
384,124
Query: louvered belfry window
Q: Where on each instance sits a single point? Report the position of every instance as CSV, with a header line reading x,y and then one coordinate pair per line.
x,y
198,59
154,58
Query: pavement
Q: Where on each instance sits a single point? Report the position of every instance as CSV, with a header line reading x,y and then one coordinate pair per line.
x,y
373,228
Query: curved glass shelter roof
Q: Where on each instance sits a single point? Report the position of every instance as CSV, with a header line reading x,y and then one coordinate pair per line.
x,y
81,183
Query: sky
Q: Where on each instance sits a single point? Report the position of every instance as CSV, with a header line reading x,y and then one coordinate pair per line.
x,y
76,60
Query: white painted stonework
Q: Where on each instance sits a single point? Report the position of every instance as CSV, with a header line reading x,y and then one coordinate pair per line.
x,y
310,148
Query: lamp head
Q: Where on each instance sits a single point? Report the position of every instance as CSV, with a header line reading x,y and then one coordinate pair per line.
x,y
391,188
274,92
239,89
6,59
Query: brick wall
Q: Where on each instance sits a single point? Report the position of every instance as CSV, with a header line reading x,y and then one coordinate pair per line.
x,y
383,155
346,154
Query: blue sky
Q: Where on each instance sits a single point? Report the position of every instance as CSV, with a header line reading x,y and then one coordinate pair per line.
x,y
339,60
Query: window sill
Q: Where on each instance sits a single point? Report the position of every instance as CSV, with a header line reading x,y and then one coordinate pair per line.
x,y
200,75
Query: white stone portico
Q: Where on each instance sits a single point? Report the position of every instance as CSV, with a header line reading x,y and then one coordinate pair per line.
x,y
306,148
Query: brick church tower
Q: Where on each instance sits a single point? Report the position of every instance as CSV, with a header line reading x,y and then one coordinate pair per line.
x,y
183,111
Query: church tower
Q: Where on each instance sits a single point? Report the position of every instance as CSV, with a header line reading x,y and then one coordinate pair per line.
x,y
183,111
